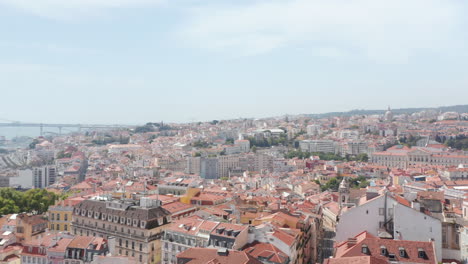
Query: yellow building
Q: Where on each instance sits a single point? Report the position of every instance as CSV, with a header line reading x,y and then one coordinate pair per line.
x,y
60,215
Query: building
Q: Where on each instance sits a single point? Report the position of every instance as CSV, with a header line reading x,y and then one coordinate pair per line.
x,y
37,177
385,217
213,255
30,226
44,176
313,130
136,226
184,234
243,144
193,165
60,215
209,168
403,157
357,147
228,235
384,250
326,146
83,249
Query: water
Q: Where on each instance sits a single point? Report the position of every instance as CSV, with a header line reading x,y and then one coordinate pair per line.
x,y
33,132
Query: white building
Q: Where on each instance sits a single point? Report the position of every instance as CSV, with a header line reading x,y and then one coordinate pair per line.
x,y
243,144
38,177
314,130
383,216
326,146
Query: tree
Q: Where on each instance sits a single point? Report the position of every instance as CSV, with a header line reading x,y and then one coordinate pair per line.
x,y
33,144
39,200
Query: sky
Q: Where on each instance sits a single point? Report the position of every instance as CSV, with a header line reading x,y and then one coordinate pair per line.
x,y
136,61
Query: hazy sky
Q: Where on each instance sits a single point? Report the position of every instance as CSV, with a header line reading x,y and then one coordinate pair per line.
x,y
133,61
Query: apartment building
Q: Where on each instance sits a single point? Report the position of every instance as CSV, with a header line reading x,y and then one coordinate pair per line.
x,y
135,225
326,146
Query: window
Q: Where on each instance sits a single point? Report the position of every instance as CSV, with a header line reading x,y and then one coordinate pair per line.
x,y
141,258
421,253
381,211
383,251
53,216
133,244
66,217
120,242
58,217
126,244
58,227
65,227
365,249
141,247
402,252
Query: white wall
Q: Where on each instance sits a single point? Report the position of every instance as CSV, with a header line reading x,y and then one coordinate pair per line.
x,y
363,218
24,178
416,226
464,245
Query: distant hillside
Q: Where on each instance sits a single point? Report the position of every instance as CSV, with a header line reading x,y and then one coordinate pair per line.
x,y
454,108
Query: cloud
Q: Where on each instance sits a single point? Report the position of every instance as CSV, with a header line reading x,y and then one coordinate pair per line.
x,y
381,30
73,9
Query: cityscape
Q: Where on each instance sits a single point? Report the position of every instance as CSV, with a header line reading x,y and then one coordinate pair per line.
x,y
330,188
233,132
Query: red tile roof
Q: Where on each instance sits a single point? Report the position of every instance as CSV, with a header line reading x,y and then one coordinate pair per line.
x,y
211,256
374,245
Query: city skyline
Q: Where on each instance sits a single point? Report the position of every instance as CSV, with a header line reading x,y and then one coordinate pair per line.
x,y
137,61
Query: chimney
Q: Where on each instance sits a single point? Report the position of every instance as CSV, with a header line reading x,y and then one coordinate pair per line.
x,y
351,242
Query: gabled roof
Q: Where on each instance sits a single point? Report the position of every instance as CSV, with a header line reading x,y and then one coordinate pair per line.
x,y
267,251
375,244
210,255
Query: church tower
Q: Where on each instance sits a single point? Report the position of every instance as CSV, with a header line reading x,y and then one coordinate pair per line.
x,y
343,190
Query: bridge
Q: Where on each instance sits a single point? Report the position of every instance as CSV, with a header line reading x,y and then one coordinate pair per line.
x,y
41,126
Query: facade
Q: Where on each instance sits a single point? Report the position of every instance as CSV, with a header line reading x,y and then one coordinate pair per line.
x,y
403,157
135,226
184,234
384,250
313,130
193,165
44,176
209,168
357,147
326,146
83,249
30,226
243,144
383,216
60,217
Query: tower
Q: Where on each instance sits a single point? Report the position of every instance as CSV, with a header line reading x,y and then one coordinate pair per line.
x,y
344,192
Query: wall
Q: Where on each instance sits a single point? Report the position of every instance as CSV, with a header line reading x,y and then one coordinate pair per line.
x,y
413,225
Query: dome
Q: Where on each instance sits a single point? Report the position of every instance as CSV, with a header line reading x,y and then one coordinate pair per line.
x,y
388,115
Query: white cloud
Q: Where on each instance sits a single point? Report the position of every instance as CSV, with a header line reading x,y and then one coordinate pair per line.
x,y
382,30
73,9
